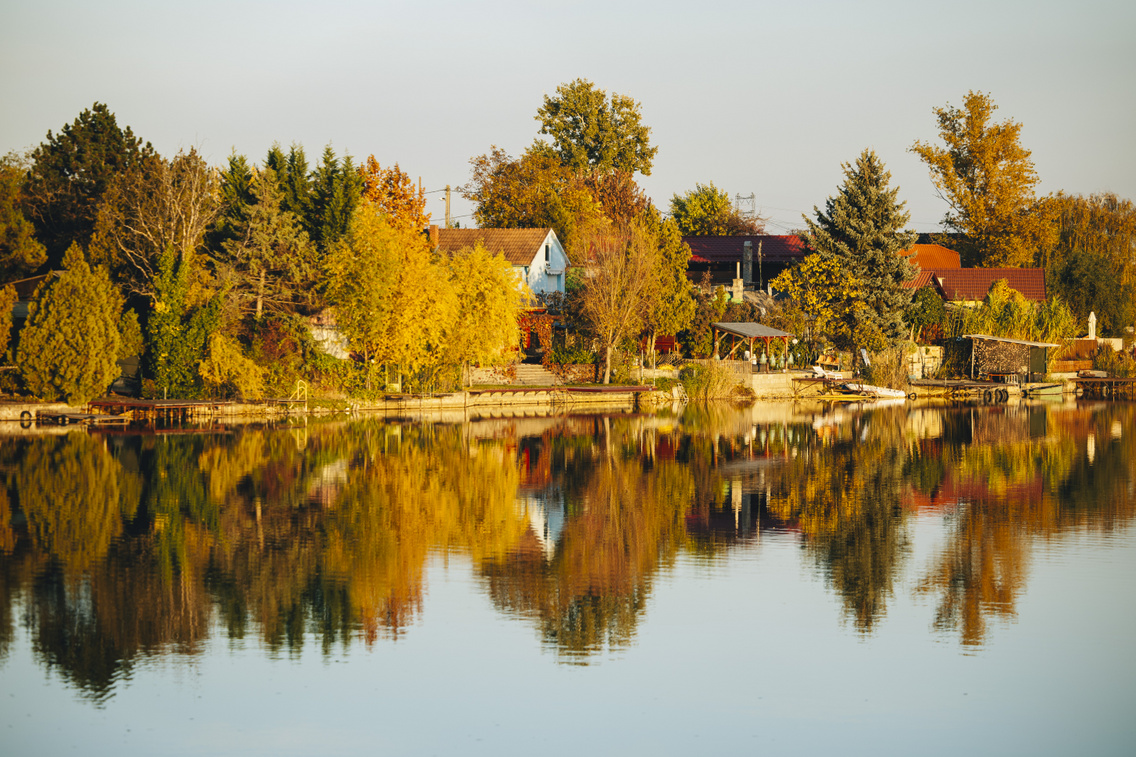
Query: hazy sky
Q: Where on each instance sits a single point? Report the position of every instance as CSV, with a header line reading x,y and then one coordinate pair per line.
x,y
768,98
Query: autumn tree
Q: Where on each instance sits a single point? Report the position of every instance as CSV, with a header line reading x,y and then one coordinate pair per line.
x,y
1092,263
70,172
8,299
707,211
861,233
73,338
392,192
377,282
622,261
670,304
594,133
823,300
483,328
987,178
153,206
20,253
533,191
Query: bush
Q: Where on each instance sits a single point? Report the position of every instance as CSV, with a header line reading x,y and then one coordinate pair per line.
x,y
227,370
705,381
70,346
572,355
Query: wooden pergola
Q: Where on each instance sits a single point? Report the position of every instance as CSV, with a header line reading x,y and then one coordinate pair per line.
x,y
747,334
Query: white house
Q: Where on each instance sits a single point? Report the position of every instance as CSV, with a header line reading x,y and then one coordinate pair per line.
x,y
536,254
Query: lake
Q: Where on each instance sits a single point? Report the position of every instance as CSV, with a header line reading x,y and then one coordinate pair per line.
x,y
778,579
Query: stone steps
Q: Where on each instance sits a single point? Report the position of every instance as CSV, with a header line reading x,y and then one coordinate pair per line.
x,y
535,375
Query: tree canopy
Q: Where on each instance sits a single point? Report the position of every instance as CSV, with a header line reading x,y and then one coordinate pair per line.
x,y
71,170
988,179
594,133
861,232
20,253
707,211
74,334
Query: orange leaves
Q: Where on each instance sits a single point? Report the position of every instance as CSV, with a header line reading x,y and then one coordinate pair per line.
x,y
393,193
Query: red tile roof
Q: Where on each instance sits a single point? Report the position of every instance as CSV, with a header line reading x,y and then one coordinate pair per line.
x,y
519,246
972,284
933,256
922,279
775,248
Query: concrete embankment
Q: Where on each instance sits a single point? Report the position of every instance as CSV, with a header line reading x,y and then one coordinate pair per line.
x,y
477,401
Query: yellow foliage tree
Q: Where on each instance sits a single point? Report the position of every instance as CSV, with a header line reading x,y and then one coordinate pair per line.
x,y
823,302
390,294
988,179
488,302
392,192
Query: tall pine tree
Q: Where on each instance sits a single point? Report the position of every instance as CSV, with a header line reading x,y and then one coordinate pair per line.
x,y
861,229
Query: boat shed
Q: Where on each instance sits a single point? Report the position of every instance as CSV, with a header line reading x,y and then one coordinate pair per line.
x,y
1009,360
747,334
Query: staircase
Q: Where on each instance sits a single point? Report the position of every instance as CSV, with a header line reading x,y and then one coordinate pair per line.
x,y
535,375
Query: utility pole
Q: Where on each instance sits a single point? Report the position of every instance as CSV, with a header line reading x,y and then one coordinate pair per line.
x,y
447,206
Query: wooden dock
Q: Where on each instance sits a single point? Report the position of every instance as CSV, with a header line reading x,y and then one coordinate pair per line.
x,y
165,411
1107,388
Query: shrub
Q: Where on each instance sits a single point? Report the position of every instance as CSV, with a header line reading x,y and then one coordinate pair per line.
x,y
705,381
70,346
227,370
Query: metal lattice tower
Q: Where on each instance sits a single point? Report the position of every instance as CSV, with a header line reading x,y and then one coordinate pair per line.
x,y
746,205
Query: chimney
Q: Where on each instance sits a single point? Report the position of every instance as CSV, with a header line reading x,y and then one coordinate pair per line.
x,y
747,263
433,236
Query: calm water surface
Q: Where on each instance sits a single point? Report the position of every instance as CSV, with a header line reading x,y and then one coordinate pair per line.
x,y
778,580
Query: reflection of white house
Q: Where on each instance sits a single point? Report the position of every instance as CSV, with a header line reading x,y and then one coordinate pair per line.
x,y
536,254
545,514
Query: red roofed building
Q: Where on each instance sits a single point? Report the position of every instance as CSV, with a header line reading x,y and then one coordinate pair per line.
x,y
930,256
722,256
968,286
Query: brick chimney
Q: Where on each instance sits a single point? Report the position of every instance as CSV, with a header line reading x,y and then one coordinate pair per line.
x,y
433,236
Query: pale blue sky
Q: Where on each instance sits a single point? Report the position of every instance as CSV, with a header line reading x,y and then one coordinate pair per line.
x,y
757,97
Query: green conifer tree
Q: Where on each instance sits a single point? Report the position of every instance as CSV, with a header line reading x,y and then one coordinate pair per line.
x,y
177,334
338,187
862,230
72,341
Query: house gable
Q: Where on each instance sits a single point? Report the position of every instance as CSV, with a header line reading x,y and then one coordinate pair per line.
x,y
536,254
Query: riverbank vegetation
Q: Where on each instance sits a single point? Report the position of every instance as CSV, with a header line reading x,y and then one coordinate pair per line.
x,y
245,279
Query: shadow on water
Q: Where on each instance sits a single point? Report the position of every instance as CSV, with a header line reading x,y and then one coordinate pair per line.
x,y
115,548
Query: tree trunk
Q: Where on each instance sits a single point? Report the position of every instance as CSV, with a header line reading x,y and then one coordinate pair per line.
x,y
607,364
260,295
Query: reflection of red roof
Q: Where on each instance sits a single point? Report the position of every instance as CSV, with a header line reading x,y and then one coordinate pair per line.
x,y
774,248
974,283
933,256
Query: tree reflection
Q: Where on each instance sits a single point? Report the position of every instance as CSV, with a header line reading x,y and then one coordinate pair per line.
x,y
842,489
116,547
623,521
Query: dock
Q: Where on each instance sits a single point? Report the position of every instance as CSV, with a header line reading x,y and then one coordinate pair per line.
x,y
166,411
1106,388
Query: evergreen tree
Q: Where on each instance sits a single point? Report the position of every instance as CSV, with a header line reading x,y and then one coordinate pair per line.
x,y
236,197
20,253
269,252
71,171
338,186
177,334
861,230
73,338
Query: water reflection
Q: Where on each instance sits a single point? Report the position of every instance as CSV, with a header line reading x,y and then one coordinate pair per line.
x,y
117,547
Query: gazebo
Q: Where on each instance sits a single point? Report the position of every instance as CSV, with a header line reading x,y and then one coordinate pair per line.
x,y
747,334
